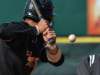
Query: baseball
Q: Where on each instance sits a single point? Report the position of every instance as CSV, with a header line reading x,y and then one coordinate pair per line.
x,y
72,38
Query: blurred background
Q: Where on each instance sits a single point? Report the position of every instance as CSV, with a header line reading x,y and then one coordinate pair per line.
x,y
79,17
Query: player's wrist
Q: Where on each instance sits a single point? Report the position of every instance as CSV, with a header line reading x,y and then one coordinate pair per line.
x,y
51,47
54,57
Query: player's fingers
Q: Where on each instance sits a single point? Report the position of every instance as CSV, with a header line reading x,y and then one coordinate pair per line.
x,y
51,36
51,31
44,33
48,29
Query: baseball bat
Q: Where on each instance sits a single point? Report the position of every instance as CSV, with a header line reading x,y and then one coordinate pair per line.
x,y
51,41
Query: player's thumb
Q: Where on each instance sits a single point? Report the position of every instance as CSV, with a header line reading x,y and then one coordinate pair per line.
x,y
45,33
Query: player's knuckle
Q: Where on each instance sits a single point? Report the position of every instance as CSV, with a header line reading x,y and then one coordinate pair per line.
x,y
55,35
51,36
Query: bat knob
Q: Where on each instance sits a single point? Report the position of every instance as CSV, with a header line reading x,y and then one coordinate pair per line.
x,y
51,41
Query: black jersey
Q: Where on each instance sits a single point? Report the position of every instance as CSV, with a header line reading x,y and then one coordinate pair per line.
x,y
89,66
24,43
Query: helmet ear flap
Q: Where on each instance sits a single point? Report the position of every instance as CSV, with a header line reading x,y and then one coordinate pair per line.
x,y
46,8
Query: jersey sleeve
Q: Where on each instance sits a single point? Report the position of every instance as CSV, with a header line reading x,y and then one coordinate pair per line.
x,y
16,29
43,58
83,68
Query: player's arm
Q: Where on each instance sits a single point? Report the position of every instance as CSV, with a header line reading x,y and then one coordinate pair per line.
x,y
53,53
16,29
44,57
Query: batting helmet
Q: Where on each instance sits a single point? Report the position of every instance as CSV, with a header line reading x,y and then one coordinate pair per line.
x,y
46,8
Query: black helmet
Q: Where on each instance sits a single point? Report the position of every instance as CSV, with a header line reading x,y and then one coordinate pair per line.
x,y
46,8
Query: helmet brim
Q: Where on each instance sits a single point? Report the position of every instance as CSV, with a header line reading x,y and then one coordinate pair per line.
x,y
54,15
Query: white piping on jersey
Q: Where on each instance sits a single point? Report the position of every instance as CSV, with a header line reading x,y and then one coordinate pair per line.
x,y
92,58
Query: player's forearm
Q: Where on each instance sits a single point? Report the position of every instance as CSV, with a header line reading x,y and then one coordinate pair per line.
x,y
10,30
54,55
53,51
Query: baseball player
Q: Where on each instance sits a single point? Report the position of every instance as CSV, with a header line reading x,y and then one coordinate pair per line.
x,y
89,66
23,43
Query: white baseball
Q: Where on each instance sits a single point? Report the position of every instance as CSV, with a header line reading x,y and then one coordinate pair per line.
x,y
72,38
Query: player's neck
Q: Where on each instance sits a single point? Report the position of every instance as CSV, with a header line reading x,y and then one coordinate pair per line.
x,y
30,22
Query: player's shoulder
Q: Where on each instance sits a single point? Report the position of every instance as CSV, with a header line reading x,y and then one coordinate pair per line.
x,y
18,22
87,63
89,60
93,58
14,22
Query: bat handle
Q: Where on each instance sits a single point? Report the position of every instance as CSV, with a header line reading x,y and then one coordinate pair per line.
x,y
51,41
